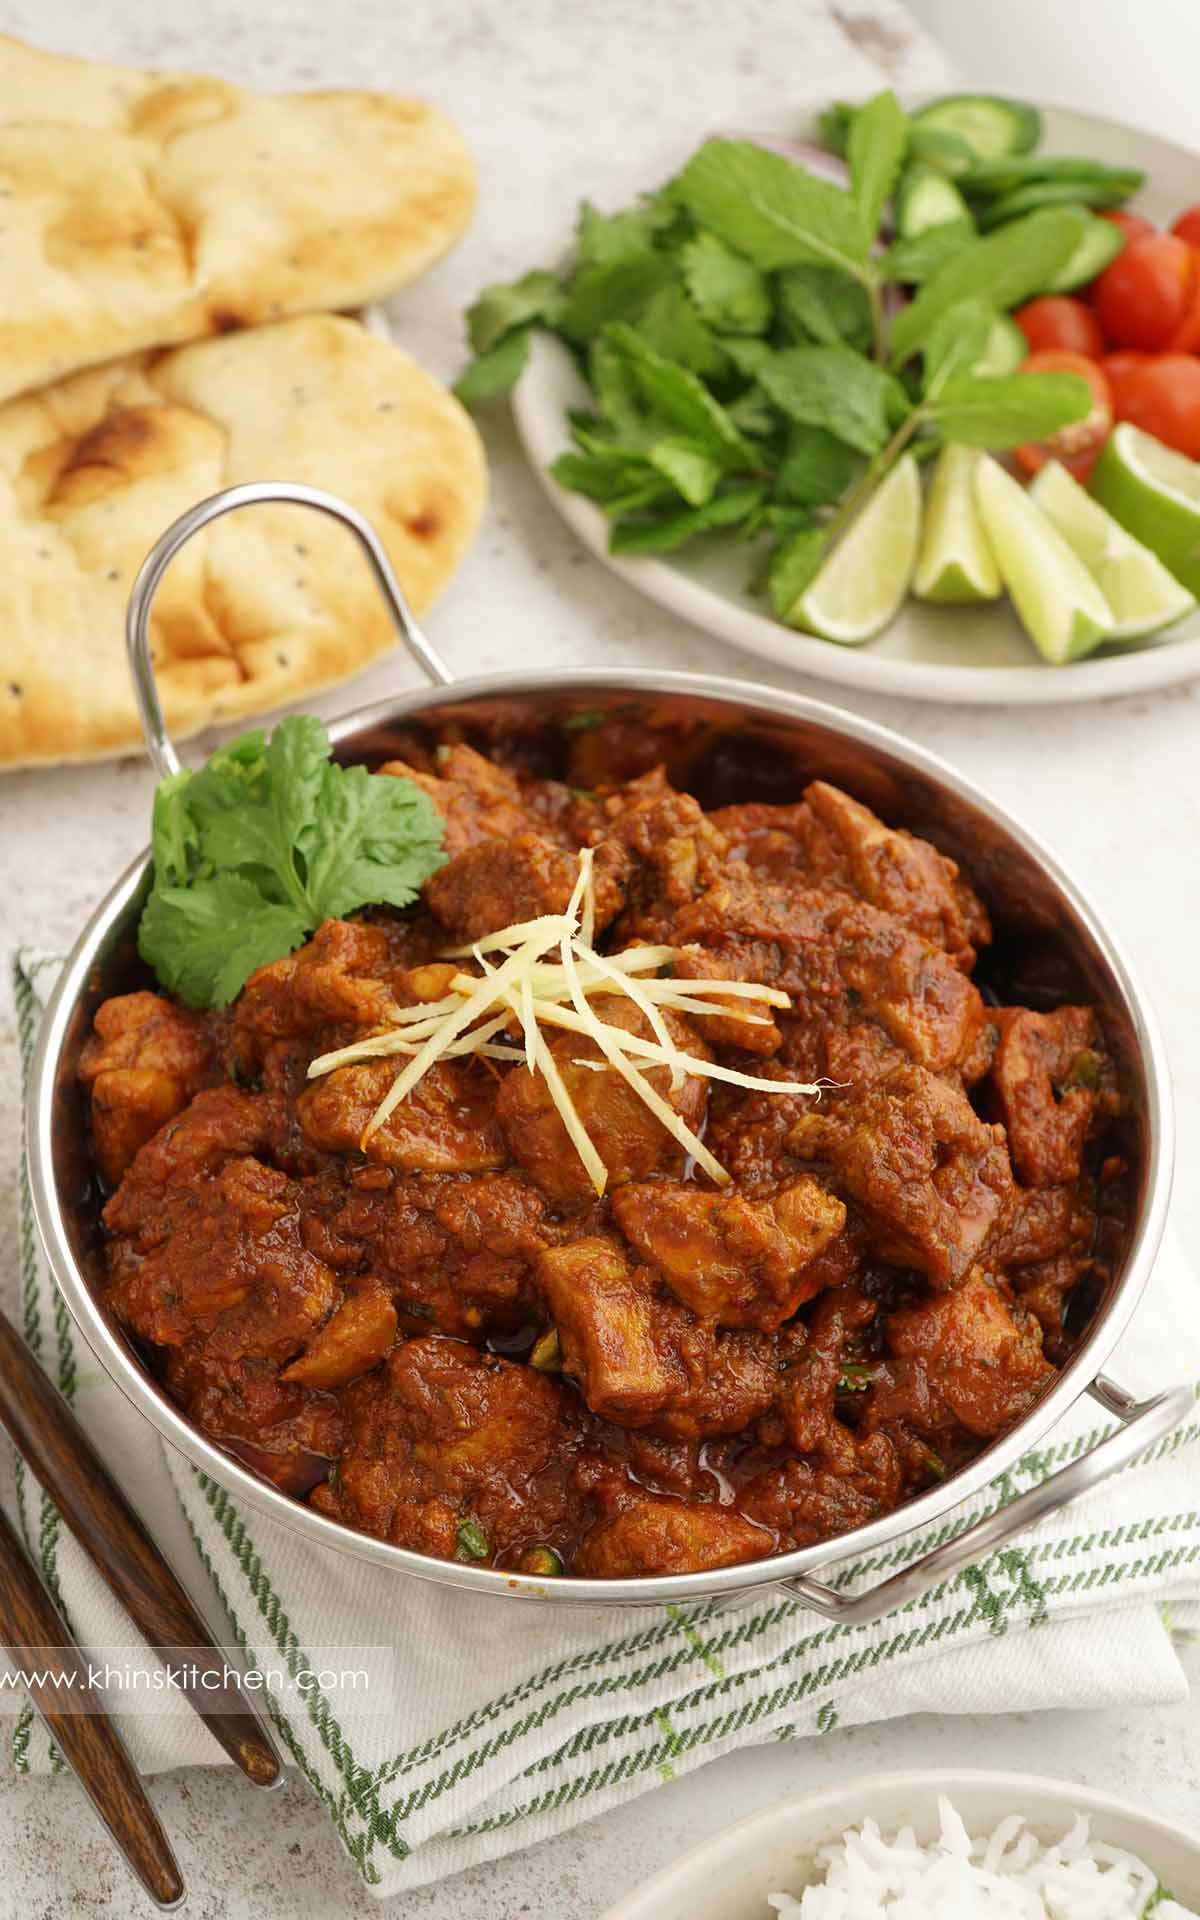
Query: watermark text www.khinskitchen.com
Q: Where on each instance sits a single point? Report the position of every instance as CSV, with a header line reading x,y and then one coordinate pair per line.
x,y
132,1679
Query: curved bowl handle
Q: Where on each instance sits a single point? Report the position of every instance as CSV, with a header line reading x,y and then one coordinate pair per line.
x,y
1142,1422
159,744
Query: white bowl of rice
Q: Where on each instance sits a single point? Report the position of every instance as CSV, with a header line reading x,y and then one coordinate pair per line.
x,y
926,1846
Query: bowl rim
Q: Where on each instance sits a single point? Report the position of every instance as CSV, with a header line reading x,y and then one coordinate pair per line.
x,y
641,1901
756,699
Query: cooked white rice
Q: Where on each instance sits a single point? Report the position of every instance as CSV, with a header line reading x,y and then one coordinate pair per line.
x,y
1008,1875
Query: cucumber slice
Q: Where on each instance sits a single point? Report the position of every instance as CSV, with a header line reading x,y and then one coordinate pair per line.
x,y
1006,348
945,151
925,199
1051,193
991,125
1099,244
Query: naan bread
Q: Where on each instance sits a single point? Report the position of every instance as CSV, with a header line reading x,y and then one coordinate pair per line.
x,y
142,209
268,604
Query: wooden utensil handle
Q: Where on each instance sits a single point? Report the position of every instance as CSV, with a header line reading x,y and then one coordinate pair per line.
x,y
56,1448
57,1681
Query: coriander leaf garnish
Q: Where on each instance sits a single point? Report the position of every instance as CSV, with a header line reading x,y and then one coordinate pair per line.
x,y
255,849
535,296
727,290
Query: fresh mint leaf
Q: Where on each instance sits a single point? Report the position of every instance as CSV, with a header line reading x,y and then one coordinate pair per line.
x,y
616,290
268,839
673,530
875,149
495,371
827,308
918,259
956,340
747,355
770,211
728,291
753,415
1003,268
679,397
834,124
618,488
535,296
794,566
830,387
1006,412
816,468
691,471
614,388
673,327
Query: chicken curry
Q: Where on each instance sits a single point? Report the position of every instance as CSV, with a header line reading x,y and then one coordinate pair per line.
x,y
830,1252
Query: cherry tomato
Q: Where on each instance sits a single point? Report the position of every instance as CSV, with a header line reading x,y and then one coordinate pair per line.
x,y
1143,296
1058,321
1187,227
1131,224
1163,397
1186,337
1118,368
1078,445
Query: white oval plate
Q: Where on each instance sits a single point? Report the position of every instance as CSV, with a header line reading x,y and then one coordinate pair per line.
x,y
964,654
730,1876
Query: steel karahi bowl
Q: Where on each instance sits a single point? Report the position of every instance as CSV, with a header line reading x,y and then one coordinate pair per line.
x,y
741,741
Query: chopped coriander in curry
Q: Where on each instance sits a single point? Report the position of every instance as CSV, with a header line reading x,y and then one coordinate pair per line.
x,y
518,1313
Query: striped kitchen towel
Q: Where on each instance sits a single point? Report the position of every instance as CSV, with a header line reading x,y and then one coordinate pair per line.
x,y
439,1729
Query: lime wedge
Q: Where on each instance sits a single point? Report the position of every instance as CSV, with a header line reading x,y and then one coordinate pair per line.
x,y
1142,595
1063,610
1155,494
865,578
956,562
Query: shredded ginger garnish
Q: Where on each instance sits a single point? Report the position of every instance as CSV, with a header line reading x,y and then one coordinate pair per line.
x,y
520,986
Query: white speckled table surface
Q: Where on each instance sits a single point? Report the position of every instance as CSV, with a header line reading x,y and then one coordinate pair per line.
x,y
557,97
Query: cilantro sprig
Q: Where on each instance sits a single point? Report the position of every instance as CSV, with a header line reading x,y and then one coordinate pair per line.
x,y
750,371
253,850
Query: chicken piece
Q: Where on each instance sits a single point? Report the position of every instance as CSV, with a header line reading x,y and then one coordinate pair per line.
x,y
630,1140
674,850
232,1272
456,1453
831,840
337,979
843,962
983,1359
739,1262
734,1022
1044,1222
447,1124
501,883
222,1123
803,1502
478,800
769,839
453,1252
1044,1289
604,1312
354,1339
283,1431
1051,1080
847,845
639,1532
642,1359
930,1178
143,1062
